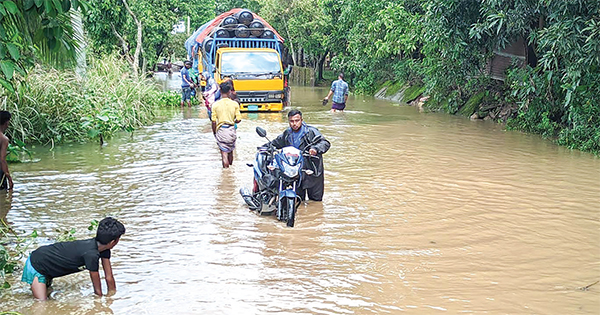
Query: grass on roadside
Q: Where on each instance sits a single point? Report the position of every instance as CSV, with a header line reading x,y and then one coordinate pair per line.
x,y
55,106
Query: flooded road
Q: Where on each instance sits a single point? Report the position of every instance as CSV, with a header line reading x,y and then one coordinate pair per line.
x,y
422,214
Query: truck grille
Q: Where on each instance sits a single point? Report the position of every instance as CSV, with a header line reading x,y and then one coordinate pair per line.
x,y
253,97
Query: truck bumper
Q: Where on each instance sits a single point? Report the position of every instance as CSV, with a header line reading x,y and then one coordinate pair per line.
x,y
261,107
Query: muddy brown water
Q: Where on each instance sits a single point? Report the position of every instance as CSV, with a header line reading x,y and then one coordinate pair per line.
x,y
423,214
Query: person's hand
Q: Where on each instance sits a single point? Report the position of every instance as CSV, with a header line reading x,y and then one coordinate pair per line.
x,y
312,152
10,183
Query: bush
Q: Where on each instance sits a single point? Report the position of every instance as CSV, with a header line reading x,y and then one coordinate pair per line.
x,y
60,106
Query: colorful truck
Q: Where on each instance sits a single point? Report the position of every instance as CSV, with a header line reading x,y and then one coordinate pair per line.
x,y
241,46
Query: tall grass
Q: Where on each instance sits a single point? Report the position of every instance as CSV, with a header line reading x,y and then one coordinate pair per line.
x,y
56,106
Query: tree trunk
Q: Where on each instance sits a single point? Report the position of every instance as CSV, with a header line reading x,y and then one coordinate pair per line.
x,y
138,48
321,66
292,50
124,45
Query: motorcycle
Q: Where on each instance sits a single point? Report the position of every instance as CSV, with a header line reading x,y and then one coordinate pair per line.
x,y
277,173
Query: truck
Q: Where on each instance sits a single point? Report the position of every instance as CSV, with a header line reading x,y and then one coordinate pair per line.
x,y
241,46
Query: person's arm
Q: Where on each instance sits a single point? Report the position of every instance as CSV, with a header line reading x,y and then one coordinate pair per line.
x,y
321,146
95,275
3,163
238,115
279,142
329,95
108,275
346,94
214,124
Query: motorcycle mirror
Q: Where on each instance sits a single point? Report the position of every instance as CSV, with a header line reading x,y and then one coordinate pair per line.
x,y
261,132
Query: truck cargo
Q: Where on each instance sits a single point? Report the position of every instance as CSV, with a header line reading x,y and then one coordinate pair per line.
x,y
241,46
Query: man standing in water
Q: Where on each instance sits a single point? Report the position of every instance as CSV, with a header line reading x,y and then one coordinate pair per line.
x,y
6,181
186,84
225,114
339,89
301,135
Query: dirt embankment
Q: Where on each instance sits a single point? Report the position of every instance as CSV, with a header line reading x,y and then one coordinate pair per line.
x,y
481,105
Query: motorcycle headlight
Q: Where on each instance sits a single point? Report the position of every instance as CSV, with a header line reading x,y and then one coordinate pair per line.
x,y
290,171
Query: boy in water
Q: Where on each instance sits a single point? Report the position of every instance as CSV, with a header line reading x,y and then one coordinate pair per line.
x,y
63,258
6,181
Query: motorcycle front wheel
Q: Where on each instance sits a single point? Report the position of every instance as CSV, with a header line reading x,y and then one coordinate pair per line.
x,y
291,213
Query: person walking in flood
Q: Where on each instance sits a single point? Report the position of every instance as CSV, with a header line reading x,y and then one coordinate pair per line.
x,y
187,84
64,258
225,114
300,135
6,181
211,93
339,90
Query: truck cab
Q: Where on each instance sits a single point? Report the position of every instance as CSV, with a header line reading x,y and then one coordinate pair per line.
x,y
257,75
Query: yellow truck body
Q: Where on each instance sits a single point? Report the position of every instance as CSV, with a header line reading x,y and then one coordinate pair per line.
x,y
257,76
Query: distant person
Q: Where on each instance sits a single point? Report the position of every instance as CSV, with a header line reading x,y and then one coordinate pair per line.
x,y
339,89
210,93
64,258
225,114
6,181
187,84
300,135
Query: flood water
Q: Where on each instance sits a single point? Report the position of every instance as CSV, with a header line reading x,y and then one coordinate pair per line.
x,y
422,214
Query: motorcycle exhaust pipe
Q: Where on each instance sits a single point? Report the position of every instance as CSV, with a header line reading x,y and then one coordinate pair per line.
x,y
249,199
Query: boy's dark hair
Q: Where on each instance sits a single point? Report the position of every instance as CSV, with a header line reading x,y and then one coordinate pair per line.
x,y
187,63
226,87
4,117
109,229
294,112
341,75
230,82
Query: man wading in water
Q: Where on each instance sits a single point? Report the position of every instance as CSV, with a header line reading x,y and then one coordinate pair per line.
x,y
6,181
225,114
339,90
300,135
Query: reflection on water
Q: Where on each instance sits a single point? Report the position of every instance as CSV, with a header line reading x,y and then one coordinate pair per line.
x,y
423,213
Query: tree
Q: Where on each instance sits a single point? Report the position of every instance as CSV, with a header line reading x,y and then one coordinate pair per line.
x,y
33,30
112,27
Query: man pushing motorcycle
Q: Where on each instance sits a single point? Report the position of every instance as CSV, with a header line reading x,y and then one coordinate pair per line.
x,y
300,135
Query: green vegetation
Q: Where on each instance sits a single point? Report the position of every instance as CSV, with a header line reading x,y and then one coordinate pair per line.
x,y
10,256
412,93
54,106
393,87
472,105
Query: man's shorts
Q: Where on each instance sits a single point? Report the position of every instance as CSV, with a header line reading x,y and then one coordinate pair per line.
x,y
338,106
29,273
186,94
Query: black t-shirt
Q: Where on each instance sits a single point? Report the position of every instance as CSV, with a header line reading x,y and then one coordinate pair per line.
x,y
63,258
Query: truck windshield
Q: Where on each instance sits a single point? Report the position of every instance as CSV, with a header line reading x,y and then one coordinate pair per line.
x,y
250,63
